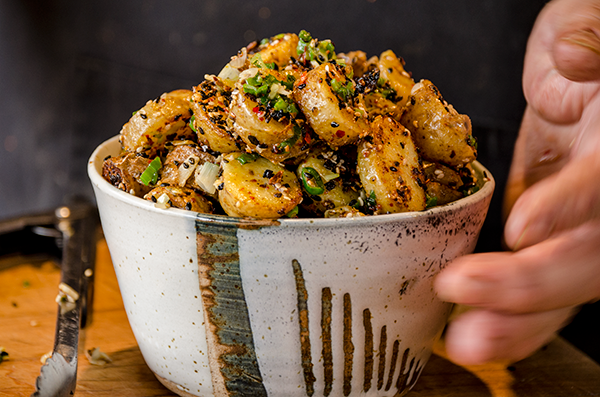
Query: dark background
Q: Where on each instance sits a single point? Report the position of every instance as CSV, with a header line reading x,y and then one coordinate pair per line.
x,y
72,72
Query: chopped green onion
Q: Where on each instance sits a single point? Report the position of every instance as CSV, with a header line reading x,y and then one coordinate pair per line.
x,y
472,141
257,61
312,181
293,213
342,91
246,158
191,124
371,200
431,201
150,174
292,140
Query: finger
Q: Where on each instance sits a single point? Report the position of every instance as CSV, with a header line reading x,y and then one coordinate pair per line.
x,y
560,202
576,50
560,272
555,97
481,336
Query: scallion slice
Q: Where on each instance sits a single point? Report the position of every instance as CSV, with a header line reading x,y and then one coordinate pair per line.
x,y
150,174
312,182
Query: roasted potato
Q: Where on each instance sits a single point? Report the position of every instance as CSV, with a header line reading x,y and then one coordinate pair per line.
x,y
252,186
391,69
278,49
124,172
441,133
211,117
160,120
390,168
264,116
327,97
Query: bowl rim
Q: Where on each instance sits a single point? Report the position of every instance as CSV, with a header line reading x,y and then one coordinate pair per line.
x,y
108,148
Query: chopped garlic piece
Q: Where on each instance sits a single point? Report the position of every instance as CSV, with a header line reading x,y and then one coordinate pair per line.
x,y
66,298
97,357
45,357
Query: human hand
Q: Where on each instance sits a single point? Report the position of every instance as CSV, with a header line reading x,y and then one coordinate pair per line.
x,y
522,298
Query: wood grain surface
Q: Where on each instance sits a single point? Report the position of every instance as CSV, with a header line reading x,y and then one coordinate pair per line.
x,y
27,321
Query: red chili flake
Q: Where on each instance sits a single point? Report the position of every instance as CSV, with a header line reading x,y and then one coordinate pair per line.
x,y
340,133
256,109
307,138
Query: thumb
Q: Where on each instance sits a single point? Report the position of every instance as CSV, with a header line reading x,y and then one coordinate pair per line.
x,y
557,203
576,48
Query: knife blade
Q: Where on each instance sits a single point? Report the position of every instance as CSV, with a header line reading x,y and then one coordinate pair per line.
x,y
58,375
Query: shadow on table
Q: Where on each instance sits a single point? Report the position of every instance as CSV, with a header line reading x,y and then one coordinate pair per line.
x,y
127,371
441,374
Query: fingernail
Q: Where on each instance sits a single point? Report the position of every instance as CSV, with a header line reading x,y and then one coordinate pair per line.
x,y
584,38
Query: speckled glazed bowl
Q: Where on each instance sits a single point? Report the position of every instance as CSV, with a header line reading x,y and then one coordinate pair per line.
x,y
297,307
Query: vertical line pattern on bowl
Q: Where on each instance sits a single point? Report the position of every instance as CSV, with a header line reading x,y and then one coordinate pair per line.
x,y
348,345
368,350
404,380
327,352
232,357
382,350
305,349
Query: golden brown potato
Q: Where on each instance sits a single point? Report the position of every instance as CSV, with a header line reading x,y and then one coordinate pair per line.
x,y
162,119
180,197
391,69
252,186
211,111
389,167
441,133
274,134
329,102
278,49
124,172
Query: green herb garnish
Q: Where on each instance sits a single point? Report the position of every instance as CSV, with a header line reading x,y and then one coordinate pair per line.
x,y
312,181
150,174
246,158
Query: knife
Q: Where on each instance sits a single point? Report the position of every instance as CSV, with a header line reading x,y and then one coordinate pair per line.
x,y
77,225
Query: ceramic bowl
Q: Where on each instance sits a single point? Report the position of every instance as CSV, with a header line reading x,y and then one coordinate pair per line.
x,y
226,306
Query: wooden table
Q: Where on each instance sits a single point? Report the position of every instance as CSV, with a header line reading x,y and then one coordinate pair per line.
x,y
28,313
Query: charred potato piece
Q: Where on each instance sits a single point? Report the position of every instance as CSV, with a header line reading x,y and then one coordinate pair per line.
x,y
275,134
441,133
252,186
278,49
160,120
211,112
327,181
389,167
180,197
124,172
181,166
391,69
332,107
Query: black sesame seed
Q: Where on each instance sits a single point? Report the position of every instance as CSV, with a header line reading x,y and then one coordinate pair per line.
x,y
334,124
142,115
268,174
188,206
253,140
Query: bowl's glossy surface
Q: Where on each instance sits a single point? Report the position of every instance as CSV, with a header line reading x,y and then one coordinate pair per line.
x,y
296,307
